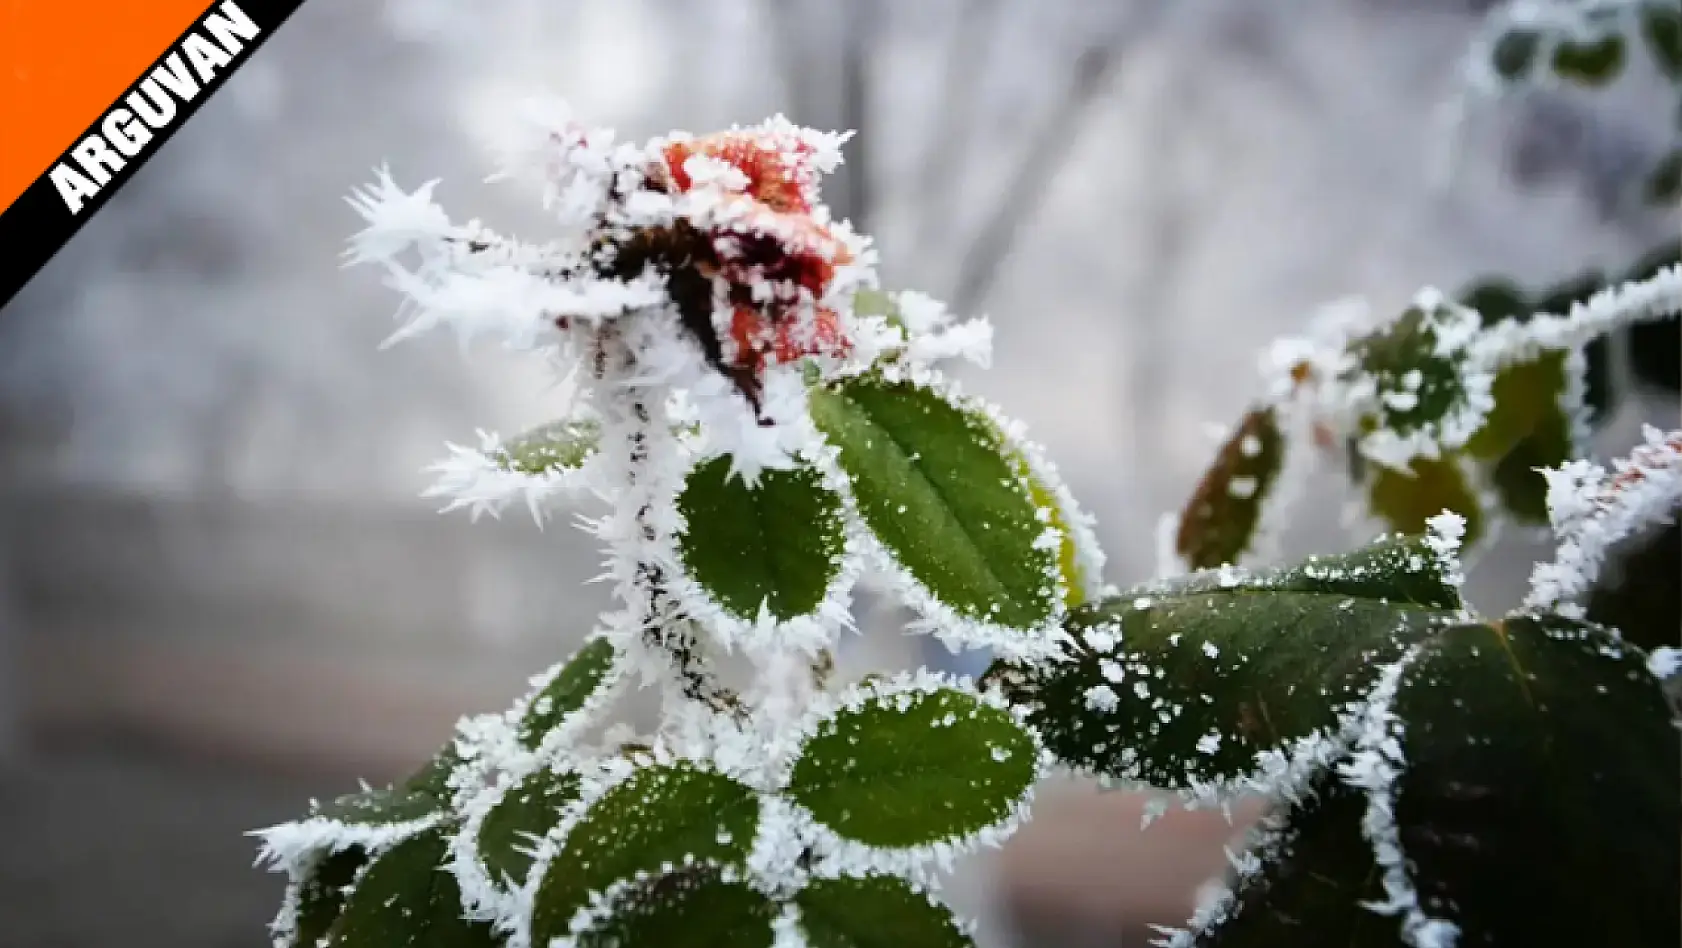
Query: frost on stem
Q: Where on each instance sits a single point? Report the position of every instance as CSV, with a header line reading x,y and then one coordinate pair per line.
x,y
763,424
1593,509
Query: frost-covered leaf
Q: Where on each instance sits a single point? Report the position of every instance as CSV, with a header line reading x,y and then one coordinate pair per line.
x,y
1318,870
1637,592
694,908
1220,521
1191,679
1068,552
559,445
1405,500
527,811
776,544
1526,396
1590,63
567,691
434,777
384,805
661,815
1661,27
1538,804
1419,381
1543,792
868,302
905,769
406,899
1527,429
321,896
877,910
937,487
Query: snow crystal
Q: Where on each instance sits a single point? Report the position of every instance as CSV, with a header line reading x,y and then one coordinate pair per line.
x,y
1592,510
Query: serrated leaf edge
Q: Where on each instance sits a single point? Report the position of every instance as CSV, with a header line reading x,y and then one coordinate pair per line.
x,y
933,616
837,855
809,633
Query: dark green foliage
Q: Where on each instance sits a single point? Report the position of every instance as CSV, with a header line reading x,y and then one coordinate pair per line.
x,y
384,805
1638,593
1593,63
939,490
1661,27
526,812
322,895
573,685
405,899
662,814
920,768
875,912
693,907
1392,356
1538,805
777,543
1291,649
1318,872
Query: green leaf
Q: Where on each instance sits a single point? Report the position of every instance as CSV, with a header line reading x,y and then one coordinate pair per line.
x,y
1590,64
405,899
1661,27
1664,183
527,811
1191,679
665,814
693,907
1406,500
1515,53
1495,299
1417,385
1526,395
876,911
381,806
321,897
1219,523
559,445
777,544
905,769
869,302
1314,883
567,691
433,779
1068,554
1538,804
1542,794
937,487
1517,477
1637,592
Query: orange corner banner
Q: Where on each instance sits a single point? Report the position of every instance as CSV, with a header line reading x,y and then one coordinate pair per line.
x,y
89,90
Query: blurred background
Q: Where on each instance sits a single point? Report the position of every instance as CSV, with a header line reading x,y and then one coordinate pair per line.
x,y
220,594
